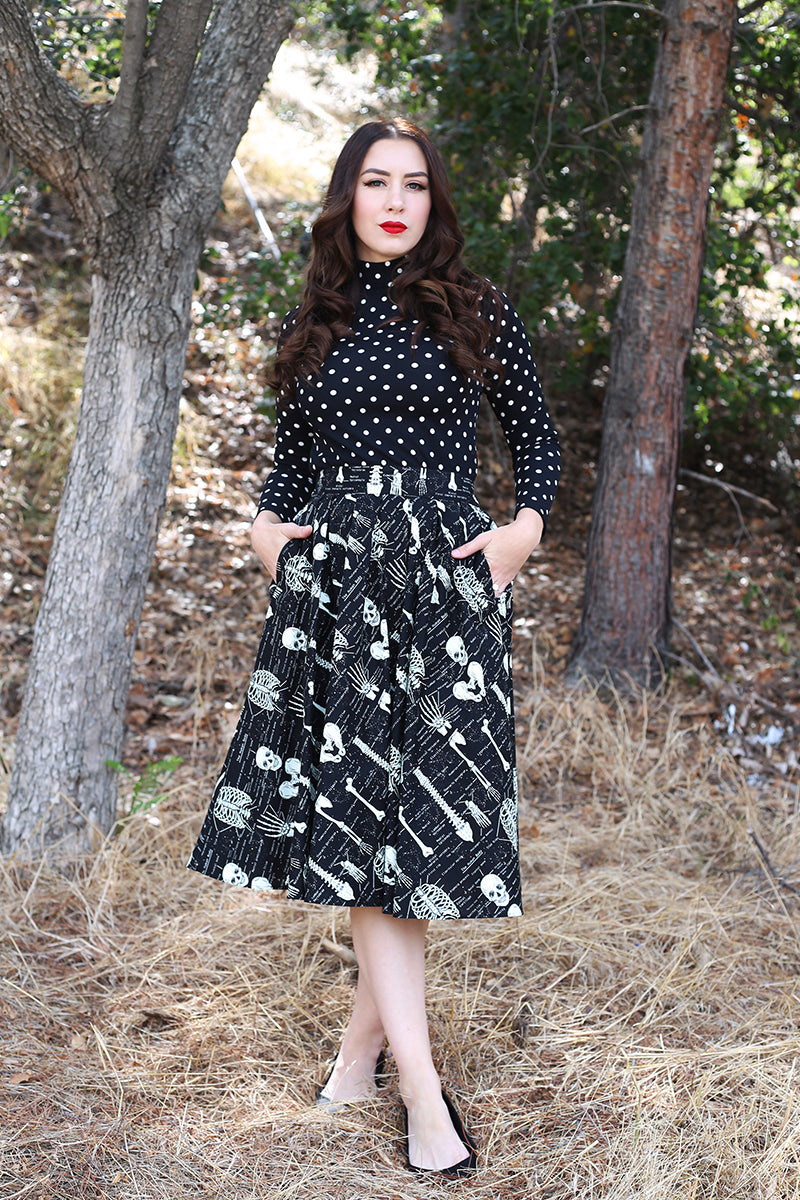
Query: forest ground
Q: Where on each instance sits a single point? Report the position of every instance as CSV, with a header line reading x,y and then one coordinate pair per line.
x,y
634,1034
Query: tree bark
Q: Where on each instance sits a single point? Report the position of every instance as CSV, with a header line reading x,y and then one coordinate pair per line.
x,y
625,624
146,239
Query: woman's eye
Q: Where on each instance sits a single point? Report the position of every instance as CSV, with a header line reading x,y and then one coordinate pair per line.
x,y
373,183
417,187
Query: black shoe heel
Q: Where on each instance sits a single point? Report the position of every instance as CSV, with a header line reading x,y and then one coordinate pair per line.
x,y
466,1166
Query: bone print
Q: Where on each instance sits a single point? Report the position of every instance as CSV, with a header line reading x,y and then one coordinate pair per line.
x,y
233,873
434,715
332,745
290,787
340,648
361,695
264,690
448,535
478,816
351,542
364,684
393,766
379,543
353,871
430,902
340,886
488,732
396,573
415,545
427,851
298,574
457,739
268,760
416,668
273,825
469,588
232,806
370,613
474,688
380,649
508,819
439,576
387,869
495,626
462,827
375,482
379,813
322,805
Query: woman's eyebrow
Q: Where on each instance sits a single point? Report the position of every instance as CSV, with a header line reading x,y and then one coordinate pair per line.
x,y
408,174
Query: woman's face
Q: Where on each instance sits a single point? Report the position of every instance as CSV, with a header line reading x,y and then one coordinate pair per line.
x,y
392,200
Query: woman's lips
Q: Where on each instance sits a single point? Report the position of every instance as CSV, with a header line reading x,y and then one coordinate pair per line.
x,y
393,227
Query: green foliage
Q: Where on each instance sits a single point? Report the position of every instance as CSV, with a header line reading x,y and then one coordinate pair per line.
x,y
146,791
264,290
539,108
84,41
744,385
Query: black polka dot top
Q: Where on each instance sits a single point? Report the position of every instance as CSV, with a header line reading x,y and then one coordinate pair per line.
x,y
376,401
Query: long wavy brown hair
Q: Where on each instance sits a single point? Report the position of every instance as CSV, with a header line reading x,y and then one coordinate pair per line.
x,y
435,288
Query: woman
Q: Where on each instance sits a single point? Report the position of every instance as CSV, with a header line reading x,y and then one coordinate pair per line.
x,y
373,765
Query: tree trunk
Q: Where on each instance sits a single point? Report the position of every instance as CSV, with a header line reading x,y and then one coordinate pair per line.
x,y
625,624
146,239
79,671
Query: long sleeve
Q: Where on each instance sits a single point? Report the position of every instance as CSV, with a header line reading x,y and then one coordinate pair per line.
x,y
519,405
378,399
291,480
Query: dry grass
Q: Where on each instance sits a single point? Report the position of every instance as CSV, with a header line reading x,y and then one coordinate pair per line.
x,y
40,382
633,1035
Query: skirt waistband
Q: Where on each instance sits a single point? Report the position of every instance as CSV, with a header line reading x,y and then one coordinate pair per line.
x,y
383,479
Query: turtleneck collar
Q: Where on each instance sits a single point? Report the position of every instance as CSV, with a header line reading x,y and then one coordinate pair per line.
x,y
378,274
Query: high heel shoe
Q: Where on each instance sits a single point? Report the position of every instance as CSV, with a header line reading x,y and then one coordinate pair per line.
x,y
466,1165
322,1101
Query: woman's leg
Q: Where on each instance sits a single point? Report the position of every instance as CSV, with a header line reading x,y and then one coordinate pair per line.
x,y
353,1074
391,963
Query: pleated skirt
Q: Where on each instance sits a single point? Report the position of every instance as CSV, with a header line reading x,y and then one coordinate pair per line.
x,y
373,763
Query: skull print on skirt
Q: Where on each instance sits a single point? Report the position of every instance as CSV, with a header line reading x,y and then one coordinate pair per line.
x,y
374,760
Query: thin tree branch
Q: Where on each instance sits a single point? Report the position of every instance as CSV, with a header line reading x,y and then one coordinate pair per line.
x,y
124,110
773,878
706,661
642,8
167,72
753,6
729,488
614,117
41,118
229,90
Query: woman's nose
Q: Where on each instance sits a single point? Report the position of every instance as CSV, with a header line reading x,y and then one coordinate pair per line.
x,y
395,200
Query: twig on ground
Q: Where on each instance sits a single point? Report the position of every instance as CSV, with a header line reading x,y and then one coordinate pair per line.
x,y
773,876
343,952
707,663
732,491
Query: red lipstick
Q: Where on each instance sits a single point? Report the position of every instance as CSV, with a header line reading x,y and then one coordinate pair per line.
x,y
393,227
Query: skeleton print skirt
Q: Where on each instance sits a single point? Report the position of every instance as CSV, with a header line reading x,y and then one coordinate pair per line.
x,y
373,763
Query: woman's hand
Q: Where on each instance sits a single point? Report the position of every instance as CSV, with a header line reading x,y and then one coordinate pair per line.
x,y
507,547
269,534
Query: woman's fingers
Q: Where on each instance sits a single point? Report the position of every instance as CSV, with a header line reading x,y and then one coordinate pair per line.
x,y
268,536
476,543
